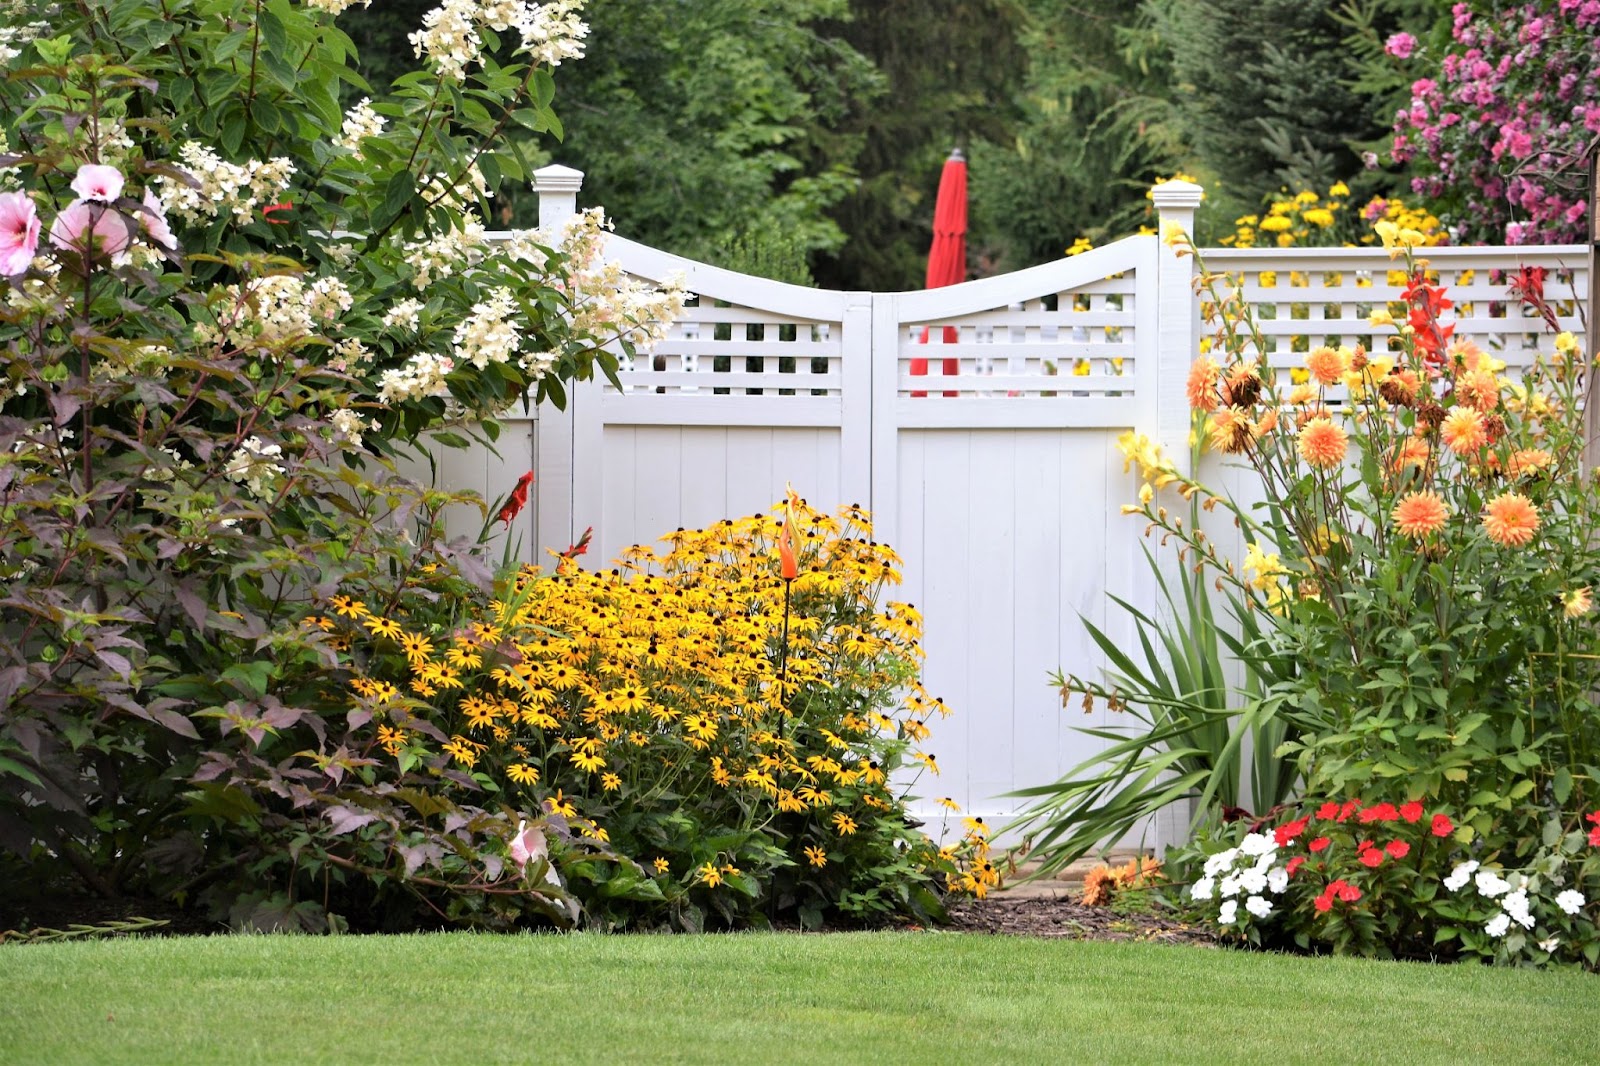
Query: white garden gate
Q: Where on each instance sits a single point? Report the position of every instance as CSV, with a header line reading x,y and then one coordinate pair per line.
x,y
1000,485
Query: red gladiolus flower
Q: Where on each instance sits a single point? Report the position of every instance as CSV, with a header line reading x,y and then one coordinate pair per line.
x,y
1372,857
1411,811
1398,848
575,550
1328,810
517,500
1442,826
1295,864
1320,844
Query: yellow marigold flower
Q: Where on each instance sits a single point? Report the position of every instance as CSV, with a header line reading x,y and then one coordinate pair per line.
x,y
1275,224
1322,444
1420,514
1577,603
816,856
1511,520
1464,430
1320,217
1338,188
843,823
522,774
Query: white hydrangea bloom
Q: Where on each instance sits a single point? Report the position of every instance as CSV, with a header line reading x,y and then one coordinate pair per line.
x,y
450,39
360,122
403,316
252,464
224,187
421,377
488,334
347,423
336,7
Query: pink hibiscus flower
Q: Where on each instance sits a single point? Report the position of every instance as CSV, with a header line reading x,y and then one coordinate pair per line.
x,y
19,232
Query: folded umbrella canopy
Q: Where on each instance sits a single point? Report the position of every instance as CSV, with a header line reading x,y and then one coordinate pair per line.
x,y
947,258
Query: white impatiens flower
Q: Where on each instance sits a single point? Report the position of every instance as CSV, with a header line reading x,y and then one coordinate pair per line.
x,y
1516,907
1258,906
1277,880
1491,884
1221,861
1497,925
1204,888
1550,945
1228,913
1460,875
1571,901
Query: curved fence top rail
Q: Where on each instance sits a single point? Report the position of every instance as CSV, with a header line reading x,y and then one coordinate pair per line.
x,y
1061,275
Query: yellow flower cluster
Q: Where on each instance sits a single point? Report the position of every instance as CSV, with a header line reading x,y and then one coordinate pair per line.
x,y
691,681
1308,219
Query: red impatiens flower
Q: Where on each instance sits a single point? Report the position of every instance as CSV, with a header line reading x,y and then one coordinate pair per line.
x,y
1324,903
517,500
1383,812
1295,864
1349,893
1411,811
1290,831
1320,844
1442,826
1372,857
1350,807
1398,848
1328,810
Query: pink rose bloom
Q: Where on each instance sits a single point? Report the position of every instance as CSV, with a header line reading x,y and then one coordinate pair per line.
x,y
19,232
89,230
97,182
154,221
1400,45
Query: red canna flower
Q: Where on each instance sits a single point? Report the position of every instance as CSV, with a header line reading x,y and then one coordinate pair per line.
x,y
1442,826
1411,811
1398,848
517,500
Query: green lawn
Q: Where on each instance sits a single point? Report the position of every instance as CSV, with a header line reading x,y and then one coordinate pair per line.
x,y
880,998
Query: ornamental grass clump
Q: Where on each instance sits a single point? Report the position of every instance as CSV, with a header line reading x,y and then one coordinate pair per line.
x,y
739,742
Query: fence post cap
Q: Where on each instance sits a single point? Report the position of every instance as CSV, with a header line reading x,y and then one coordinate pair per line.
x,y
1170,194
557,178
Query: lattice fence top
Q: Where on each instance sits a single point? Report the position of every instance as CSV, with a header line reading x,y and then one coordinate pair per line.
x,y
1304,298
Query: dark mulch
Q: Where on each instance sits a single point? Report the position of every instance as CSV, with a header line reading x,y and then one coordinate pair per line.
x,y
1062,918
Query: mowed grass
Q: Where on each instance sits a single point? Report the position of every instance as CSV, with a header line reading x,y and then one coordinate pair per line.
x,y
872,998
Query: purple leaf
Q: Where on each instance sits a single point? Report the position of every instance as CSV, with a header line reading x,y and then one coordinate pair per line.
x,y
349,819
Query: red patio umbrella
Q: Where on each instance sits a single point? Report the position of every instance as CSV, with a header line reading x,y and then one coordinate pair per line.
x,y
947,258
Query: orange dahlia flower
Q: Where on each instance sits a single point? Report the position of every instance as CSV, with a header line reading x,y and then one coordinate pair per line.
x,y
1202,386
1511,520
1322,443
1328,365
1464,430
1420,514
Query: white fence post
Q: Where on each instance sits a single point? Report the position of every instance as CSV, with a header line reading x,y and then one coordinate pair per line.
x,y
1177,344
1178,332
562,467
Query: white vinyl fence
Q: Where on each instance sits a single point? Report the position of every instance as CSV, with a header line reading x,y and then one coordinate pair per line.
x,y
1000,485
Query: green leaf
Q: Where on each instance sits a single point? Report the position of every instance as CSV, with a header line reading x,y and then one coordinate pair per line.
x,y
250,678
